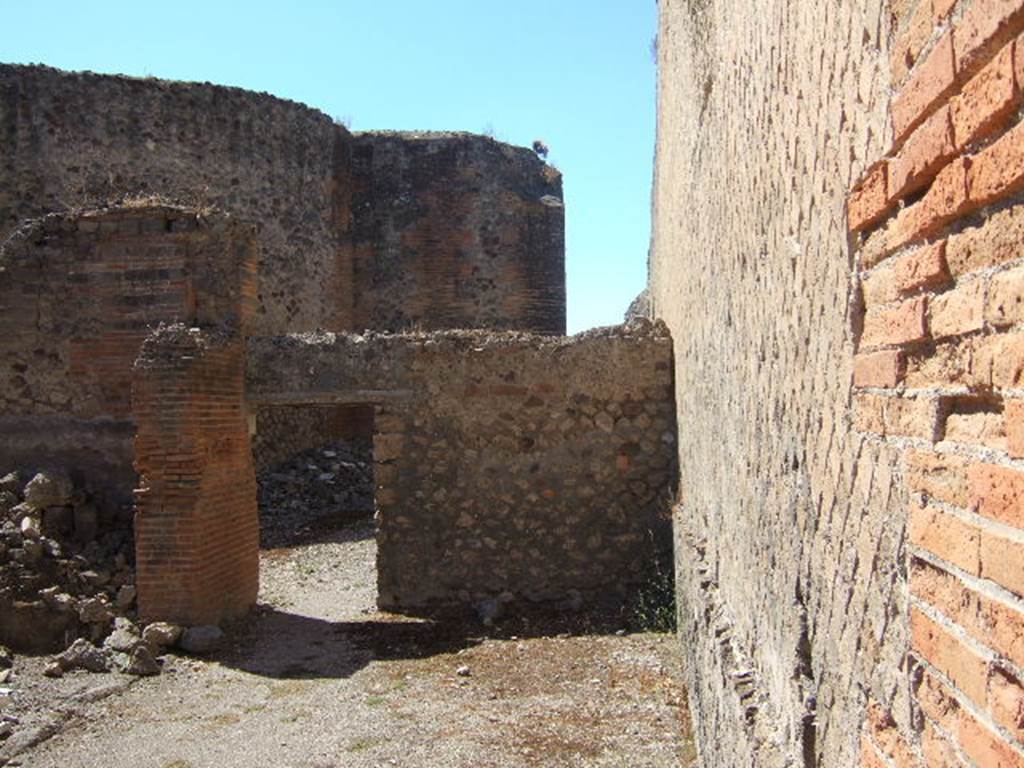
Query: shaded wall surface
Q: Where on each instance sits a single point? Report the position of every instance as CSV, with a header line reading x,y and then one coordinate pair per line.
x,y
78,295
456,231
835,251
509,466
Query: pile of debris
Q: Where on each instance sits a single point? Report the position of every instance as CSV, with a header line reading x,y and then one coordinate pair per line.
x,y
318,489
66,562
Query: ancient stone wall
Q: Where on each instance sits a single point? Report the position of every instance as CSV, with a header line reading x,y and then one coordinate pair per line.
x,y
78,294
845,375
80,140
381,230
508,465
453,230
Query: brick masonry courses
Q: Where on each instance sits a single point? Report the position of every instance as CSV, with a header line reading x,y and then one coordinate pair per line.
x,y
417,227
790,532
849,326
507,465
78,295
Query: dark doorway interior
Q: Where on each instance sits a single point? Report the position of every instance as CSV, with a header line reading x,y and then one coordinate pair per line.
x,y
311,494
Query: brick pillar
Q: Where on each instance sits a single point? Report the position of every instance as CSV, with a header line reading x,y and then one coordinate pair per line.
x,y
196,520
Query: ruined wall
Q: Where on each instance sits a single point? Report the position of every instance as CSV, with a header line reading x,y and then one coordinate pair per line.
x,y
790,526
80,140
78,294
426,230
536,466
845,411
453,230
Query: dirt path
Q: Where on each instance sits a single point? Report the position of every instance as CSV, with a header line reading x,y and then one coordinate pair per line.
x,y
318,679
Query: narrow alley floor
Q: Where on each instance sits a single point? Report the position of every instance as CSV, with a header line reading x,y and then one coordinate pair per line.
x,y
319,679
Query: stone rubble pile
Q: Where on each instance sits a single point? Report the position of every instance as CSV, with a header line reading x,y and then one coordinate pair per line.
x,y
66,561
332,484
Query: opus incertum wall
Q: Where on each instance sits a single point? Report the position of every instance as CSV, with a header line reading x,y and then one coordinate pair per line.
x,y
506,463
509,466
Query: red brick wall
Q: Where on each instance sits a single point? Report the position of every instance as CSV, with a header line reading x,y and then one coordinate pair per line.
x,y
196,523
938,372
78,294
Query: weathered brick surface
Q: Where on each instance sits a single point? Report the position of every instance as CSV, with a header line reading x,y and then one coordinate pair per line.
x,y
783,503
926,151
902,324
78,294
455,231
959,311
987,99
921,268
937,366
196,523
870,201
880,369
930,82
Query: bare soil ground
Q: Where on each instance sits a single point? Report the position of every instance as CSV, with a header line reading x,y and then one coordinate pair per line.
x,y
319,679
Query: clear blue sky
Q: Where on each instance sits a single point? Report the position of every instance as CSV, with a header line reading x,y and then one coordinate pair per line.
x,y
576,73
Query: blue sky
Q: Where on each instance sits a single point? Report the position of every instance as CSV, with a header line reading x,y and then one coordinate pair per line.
x,y
577,74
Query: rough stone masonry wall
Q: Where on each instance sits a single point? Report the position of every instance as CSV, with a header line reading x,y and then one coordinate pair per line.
x,y
453,230
509,463
79,140
790,527
78,294
848,541
940,369
445,230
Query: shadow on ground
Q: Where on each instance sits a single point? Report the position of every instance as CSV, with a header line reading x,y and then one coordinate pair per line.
x,y
278,644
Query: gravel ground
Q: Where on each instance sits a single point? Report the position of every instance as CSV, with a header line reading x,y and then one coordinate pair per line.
x,y
319,679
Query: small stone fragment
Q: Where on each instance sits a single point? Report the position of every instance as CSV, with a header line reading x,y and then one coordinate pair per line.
x,y
49,489
11,482
463,671
142,662
124,638
6,657
160,635
53,669
83,655
95,611
201,640
125,597
30,527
